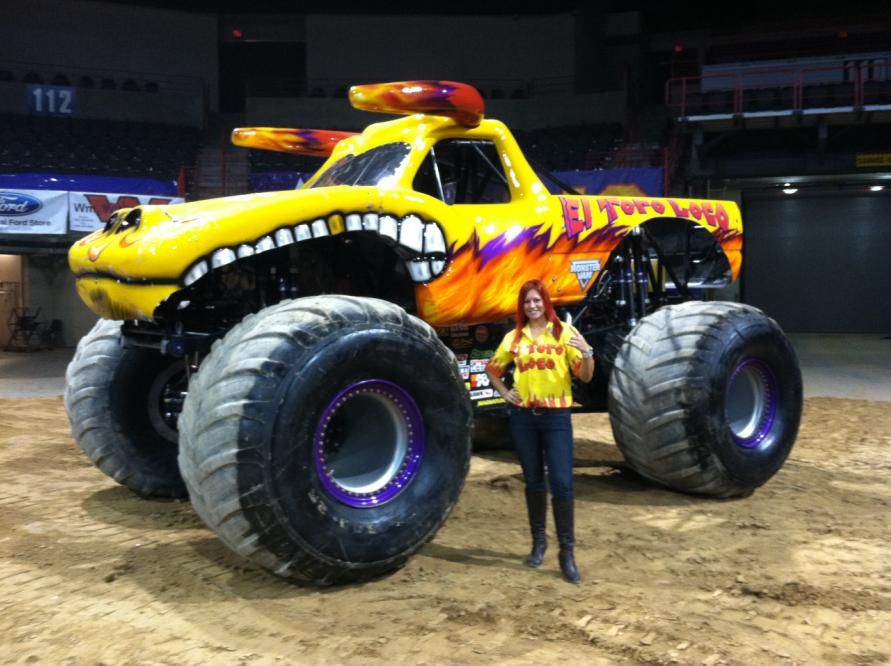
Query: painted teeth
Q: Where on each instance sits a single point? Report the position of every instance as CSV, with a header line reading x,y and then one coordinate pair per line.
x,y
319,228
303,233
265,244
434,241
370,222
389,228
197,272
354,222
411,233
222,257
419,269
284,237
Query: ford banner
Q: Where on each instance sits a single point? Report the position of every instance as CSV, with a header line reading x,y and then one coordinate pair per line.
x,y
33,212
89,211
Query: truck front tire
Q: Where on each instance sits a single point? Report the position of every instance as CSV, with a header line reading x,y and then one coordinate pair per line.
x,y
706,398
326,438
115,398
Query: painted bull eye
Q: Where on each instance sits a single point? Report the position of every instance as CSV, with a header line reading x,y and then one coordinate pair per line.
x,y
369,443
130,221
110,223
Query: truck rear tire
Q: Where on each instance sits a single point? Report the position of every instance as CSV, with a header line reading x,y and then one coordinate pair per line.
x,y
115,398
326,438
706,398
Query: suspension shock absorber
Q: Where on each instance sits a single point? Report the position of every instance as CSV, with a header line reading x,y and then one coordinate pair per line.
x,y
641,282
625,300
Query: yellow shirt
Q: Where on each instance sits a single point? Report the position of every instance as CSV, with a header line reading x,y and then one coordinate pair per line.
x,y
544,366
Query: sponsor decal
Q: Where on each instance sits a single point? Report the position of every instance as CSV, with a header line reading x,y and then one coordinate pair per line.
x,y
14,204
486,403
482,393
465,373
584,270
865,160
479,381
478,366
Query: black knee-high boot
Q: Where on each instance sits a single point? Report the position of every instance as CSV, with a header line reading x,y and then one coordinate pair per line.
x,y
564,523
537,507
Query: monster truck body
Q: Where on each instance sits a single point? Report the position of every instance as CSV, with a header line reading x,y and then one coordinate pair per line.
x,y
461,259
439,214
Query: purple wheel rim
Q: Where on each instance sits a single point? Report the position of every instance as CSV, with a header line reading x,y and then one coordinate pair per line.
x,y
750,403
369,443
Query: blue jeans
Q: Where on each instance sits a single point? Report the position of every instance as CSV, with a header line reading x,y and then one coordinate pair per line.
x,y
543,437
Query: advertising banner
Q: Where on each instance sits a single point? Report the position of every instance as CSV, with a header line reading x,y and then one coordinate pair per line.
x,y
89,211
33,211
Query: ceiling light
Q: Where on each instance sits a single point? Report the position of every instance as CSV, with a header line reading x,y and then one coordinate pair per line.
x,y
787,184
790,190
876,188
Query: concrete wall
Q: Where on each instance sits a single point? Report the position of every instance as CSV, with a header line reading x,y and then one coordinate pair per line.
x,y
49,285
10,291
176,48
10,268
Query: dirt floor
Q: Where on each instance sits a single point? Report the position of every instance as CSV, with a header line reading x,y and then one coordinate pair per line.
x,y
798,573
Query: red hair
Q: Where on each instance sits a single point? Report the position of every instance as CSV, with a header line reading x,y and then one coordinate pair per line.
x,y
550,314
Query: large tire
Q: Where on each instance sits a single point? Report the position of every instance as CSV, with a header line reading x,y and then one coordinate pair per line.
x,y
113,396
706,398
326,438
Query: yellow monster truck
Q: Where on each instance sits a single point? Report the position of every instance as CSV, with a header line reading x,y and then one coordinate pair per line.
x,y
274,355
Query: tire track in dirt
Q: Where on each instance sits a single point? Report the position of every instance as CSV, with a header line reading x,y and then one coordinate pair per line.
x,y
795,574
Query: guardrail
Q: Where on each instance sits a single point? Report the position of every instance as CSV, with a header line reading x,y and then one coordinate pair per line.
x,y
776,91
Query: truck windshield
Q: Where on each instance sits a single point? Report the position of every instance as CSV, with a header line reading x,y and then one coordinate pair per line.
x,y
377,166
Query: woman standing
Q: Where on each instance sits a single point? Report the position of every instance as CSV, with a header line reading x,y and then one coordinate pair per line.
x,y
546,353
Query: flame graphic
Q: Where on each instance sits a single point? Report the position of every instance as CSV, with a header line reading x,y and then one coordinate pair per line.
x,y
95,251
439,98
315,142
481,283
731,241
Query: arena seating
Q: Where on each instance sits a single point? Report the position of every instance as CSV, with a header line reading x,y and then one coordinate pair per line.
x,y
86,80
94,147
264,161
571,147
